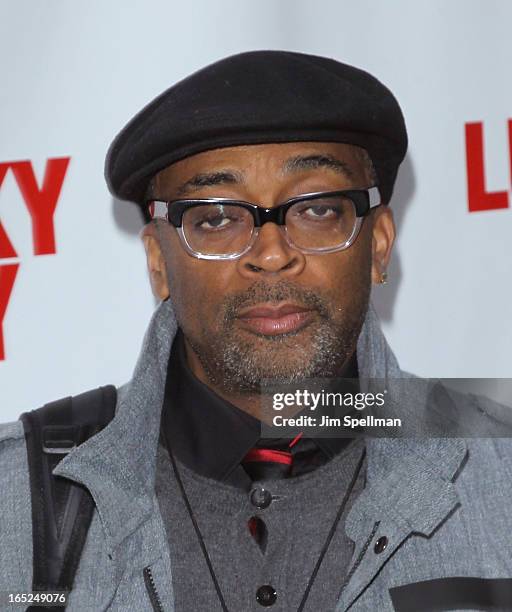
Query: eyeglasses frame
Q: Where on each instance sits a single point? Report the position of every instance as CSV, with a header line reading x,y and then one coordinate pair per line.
x,y
173,210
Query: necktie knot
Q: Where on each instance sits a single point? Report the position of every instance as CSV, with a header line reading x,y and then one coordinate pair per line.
x,y
274,460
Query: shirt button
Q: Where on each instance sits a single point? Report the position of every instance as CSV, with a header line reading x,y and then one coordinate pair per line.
x,y
260,497
266,595
380,545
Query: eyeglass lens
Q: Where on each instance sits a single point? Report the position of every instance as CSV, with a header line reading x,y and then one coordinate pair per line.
x,y
224,229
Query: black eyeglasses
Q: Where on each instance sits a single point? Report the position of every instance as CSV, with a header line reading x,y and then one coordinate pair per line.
x,y
223,228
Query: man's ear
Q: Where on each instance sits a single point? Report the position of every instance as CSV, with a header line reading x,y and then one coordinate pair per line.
x,y
155,261
382,242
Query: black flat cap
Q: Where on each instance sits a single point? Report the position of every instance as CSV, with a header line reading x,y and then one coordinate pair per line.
x,y
259,97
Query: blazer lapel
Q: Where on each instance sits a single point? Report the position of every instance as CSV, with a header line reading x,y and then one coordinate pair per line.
x,y
409,490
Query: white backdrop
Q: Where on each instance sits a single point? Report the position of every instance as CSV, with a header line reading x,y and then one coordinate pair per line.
x,y
73,72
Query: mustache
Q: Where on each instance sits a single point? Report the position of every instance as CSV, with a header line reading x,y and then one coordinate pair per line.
x,y
262,291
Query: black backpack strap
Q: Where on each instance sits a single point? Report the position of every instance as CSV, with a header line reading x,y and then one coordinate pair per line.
x,y
61,509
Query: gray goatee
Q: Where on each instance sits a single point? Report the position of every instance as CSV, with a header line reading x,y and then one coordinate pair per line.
x,y
238,364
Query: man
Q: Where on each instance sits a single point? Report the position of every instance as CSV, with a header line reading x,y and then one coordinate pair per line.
x,y
266,179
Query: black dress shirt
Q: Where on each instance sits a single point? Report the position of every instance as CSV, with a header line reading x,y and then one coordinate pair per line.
x,y
212,436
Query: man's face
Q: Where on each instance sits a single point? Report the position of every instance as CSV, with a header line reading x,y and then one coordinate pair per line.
x,y
273,313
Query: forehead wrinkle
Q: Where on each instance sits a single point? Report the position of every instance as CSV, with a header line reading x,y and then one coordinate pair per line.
x,y
314,161
207,179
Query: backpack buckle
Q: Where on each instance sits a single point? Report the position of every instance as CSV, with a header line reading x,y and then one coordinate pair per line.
x,y
59,440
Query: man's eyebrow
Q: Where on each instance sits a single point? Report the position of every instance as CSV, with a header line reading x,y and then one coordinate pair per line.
x,y
207,179
307,162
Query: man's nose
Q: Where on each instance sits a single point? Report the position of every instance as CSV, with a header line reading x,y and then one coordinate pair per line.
x,y
271,254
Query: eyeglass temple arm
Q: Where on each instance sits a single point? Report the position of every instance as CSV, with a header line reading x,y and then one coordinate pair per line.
x,y
374,197
158,209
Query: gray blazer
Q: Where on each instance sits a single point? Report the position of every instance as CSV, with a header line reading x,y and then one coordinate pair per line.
x,y
433,509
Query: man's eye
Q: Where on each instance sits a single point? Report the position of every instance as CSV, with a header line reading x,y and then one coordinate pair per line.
x,y
215,222
320,211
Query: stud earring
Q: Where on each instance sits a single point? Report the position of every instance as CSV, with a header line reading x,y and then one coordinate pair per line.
x,y
383,278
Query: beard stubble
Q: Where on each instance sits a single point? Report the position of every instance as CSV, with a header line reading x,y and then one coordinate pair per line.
x,y
236,361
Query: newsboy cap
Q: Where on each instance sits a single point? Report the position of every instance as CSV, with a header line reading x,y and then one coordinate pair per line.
x,y
259,97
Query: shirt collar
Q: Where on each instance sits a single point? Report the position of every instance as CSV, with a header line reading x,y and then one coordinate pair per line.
x,y
206,432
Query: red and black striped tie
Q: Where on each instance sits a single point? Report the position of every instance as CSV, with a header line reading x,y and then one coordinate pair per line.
x,y
275,460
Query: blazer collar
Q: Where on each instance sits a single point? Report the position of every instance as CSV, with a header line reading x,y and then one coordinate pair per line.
x,y
118,464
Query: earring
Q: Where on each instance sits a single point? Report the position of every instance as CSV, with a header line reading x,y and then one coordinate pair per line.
x,y
383,278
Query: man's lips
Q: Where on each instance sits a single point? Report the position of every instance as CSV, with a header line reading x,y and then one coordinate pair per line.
x,y
274,320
